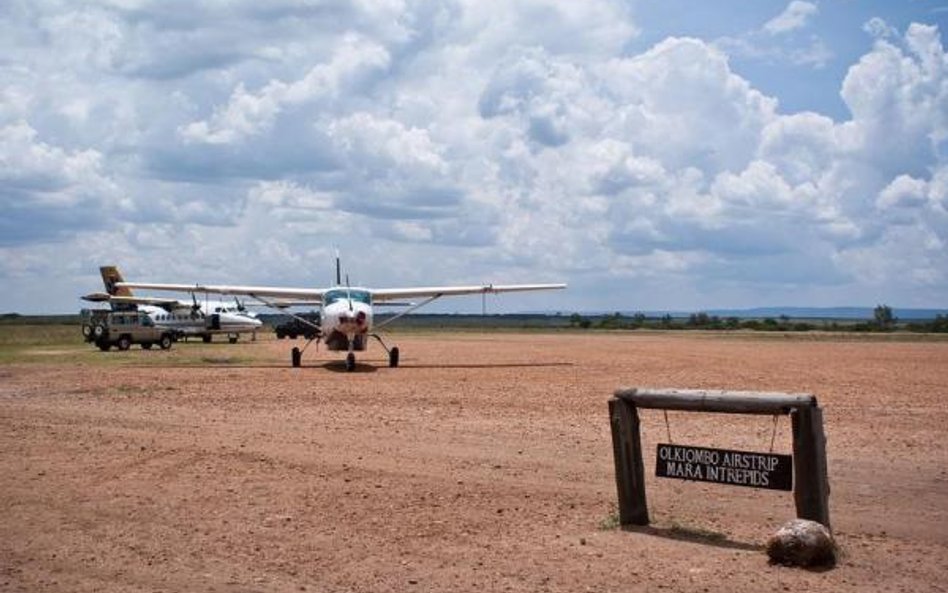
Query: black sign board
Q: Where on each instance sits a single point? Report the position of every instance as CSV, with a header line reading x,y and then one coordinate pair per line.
x,y
738,468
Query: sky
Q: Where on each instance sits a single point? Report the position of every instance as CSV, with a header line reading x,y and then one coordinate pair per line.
x,y
679,155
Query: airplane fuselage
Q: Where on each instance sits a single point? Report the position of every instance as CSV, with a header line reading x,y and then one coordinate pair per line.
x,y
346,318
198,322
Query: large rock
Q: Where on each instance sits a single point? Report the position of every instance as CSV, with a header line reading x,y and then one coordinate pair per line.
x,y
801,542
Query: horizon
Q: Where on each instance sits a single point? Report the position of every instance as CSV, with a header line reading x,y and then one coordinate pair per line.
x,y
649,313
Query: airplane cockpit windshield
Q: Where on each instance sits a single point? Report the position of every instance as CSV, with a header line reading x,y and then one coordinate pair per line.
x,y
359,296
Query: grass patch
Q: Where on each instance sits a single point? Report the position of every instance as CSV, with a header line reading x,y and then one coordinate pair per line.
x,y
610,521
49,343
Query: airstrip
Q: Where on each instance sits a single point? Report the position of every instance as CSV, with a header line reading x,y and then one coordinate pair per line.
x,y
483,463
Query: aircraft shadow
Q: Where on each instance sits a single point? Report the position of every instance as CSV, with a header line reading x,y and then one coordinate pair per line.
x,y
697,536
339,366
500,365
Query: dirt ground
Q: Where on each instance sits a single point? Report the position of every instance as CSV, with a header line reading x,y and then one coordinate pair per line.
x,y
484,463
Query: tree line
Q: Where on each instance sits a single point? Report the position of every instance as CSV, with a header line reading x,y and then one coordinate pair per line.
x,y
883,320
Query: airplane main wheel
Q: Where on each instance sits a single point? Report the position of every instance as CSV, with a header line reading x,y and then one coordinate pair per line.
x,y
296,357
351,362
232,339
393,357
206,338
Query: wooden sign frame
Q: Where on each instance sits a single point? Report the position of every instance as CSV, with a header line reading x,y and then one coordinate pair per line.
x,y
811,483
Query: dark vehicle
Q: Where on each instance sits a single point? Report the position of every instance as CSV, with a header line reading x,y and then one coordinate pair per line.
x,y
293,328
122,329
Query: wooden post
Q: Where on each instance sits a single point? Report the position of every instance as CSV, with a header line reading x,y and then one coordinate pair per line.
x,y
811,487
630,470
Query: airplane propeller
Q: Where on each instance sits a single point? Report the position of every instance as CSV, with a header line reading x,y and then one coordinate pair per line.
x,y
195,307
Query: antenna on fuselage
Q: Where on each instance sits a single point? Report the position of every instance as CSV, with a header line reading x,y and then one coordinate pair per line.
x,y
348,292
338,270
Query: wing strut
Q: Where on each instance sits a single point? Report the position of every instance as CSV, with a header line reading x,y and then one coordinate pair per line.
x,y
409,310
302,320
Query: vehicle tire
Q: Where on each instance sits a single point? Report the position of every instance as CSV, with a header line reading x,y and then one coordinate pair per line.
x,y
206,338
165,342
86,331
393,357
291,335
350,362
280,334
98,331
146,345
124,343
103,345
296,357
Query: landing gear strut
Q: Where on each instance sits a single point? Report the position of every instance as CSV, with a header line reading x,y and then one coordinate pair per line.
x,y
392,353
296,355
350,362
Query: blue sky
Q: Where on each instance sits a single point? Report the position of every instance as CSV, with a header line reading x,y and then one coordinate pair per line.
x,y
655,155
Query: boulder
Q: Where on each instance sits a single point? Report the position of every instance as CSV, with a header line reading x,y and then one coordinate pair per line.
x,y
802,542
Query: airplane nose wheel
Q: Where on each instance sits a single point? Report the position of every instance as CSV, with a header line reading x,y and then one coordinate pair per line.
x,y
350,362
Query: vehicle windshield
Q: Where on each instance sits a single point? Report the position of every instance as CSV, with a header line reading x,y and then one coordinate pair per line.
x,y
360,296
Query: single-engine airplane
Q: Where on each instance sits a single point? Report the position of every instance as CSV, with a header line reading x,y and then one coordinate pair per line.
x,y
346,313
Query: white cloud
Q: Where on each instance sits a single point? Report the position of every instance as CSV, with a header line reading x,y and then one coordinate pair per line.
x,y
879,29
899,102
794,16
48,192
903,192
495,142
248,114
782,40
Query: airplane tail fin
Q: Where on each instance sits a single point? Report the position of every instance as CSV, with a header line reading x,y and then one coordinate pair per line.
x,y
111,275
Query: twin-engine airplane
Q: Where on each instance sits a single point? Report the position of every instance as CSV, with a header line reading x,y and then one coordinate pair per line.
x,y
346,313
189,318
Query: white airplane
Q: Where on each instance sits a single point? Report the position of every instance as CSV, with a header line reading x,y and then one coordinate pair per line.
x,y
346,313
200,319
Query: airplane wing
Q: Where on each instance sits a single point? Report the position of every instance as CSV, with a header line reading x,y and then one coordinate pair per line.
x,y
385,294
288,304
310,295
102,297
314,295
